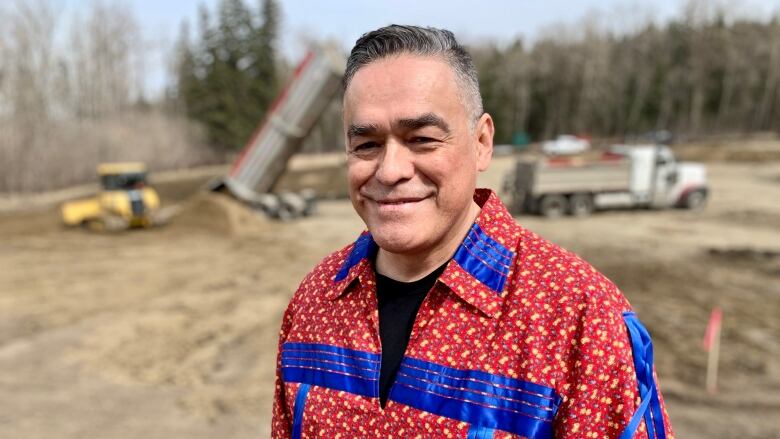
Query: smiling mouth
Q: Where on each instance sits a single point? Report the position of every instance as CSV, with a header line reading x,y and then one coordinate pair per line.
x,y
399,201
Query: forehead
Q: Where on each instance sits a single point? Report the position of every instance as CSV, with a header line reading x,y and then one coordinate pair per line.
x,y
401,86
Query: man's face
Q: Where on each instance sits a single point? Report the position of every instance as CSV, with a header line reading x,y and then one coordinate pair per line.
x,y
412,155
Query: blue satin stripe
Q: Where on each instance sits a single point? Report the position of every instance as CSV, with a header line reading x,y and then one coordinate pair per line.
x,y
482,272
363,247
477,398
331,380
472,413
484,258
482,399
480,387
480,432
364,362
338,350
490,246
333,367
348,362
480,253
478,375
650,407
477,230
300,403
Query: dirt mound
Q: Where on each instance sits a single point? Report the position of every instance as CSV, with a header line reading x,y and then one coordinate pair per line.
x,y
219,213
327,180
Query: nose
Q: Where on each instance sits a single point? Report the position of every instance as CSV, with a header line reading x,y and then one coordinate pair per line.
x,y
395,165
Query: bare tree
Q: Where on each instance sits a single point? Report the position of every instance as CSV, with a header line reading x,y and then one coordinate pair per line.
x,y
104,59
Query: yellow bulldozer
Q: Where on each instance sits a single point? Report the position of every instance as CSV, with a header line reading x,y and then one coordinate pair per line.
x,y
125,201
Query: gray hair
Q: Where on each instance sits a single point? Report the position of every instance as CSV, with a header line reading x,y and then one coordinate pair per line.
x,y
423,41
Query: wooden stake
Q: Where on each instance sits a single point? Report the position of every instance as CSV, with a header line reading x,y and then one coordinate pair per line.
x,y
712,361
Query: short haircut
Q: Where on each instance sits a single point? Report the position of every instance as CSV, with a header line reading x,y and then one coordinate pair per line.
x,y
422,41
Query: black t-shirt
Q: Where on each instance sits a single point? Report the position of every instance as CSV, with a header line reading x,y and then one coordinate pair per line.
x,y
398,306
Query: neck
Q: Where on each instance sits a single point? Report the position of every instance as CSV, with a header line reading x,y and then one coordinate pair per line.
x,y
409,267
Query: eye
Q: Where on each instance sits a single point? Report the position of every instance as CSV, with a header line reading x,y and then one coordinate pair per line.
x,y
366,146
421,140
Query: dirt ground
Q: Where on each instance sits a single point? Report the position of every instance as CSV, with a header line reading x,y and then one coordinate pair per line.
x,y
172,332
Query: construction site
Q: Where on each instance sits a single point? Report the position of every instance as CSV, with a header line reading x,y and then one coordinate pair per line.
x,y
148,302
172,331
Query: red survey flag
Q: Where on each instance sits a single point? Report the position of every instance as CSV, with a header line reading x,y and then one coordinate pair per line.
x,y
713,327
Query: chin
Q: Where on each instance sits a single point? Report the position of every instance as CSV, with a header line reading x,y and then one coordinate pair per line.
x,y
395,239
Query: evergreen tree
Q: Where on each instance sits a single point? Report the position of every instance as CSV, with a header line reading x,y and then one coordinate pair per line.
x,y
228,80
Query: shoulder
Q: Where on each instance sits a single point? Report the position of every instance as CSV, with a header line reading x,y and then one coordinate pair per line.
x,y
562,279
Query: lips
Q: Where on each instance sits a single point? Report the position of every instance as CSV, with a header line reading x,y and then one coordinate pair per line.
x,y
394,206
398,201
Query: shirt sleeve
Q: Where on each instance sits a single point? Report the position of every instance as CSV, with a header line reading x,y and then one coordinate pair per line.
x,y
613,391
281,423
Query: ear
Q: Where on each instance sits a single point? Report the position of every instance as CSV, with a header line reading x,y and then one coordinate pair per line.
x,y
484,141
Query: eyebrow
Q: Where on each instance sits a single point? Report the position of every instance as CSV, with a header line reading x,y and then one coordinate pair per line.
x,y
425,120
413,123
357,130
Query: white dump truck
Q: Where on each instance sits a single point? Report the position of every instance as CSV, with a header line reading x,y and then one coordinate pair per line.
x,y
280,135
626,176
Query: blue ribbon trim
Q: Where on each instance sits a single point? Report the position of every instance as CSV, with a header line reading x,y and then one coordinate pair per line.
x,y
479,269
479,252
484,258
470,396
334,381
492,242
493,245
465,381
364,246
333,357
480,432
650,407
454,396
332,367
326,348
300,402
436,370
472,413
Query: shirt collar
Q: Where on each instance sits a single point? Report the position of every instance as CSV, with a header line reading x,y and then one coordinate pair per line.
x,y
477,273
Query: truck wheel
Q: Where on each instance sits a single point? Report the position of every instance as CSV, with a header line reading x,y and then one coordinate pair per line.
x,y
552,206
284,213
580,205
695,200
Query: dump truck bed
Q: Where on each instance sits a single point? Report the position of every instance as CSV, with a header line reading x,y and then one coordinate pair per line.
x,y
289,120
563,176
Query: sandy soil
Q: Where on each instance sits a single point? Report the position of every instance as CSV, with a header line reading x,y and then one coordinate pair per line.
x,y
172,332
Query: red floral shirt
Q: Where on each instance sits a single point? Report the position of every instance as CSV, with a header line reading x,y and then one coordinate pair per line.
x,y
517,338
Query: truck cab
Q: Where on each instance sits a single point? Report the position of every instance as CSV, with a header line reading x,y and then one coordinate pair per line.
x,y
658,180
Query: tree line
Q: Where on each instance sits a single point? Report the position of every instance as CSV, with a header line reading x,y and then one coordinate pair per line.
x,y
704,72
693,76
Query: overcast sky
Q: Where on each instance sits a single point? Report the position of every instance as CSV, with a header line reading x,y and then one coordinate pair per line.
x,y
471,20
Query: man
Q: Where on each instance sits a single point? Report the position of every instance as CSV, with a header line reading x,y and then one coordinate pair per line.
x,y
446,318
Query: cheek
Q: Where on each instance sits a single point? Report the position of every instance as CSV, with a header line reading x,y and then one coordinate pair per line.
x,y
452,174
357,175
